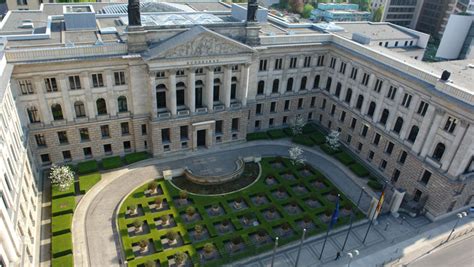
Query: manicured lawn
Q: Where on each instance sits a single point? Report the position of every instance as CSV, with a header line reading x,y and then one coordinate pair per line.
x,y
257,136
137,156
344,158
86,182
287,198
87,167
112,163
276,134
359,170
61,245
64,261
61,224
63,205
56,193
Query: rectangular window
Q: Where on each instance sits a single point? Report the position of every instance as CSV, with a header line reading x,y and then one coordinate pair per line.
x,y
376,139
310,116
278,63
51,85
67,155
333,109
74,82
87,152
62,136
219,127
320,61
359,146
161,99
45,158
257,124
285,120
119,77
144,130
307,62
165,135
323,104
263,65
342,68
313,101
332,65
343,116
235,67
383,164
270,122
293,61
353,123
425,178
422,108
183,132
97,80
273,107
108,149
389,148
378,85
26,87
371,155
84,133
364,131
287,105
300,103
349,138
180,73
160,74
395,175
365,79
417,195
199,71
40,140
392,91
127,146
235,124
406,100
354,73
124,127
403,157
258,109
104,130
450,124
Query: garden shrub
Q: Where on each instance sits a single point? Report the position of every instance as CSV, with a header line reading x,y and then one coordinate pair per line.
x,y
137,156
63,205
375,185
344,158
61,245
87,167
288,131
56,193
328,150
112,163
302,140
318,137
257,136
359,169
61,224
86,182
276,134
309,128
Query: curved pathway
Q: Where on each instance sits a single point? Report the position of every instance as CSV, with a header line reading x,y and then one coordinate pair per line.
x,y
94,235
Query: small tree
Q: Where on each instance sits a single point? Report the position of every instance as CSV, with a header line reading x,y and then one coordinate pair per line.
x,y
296,155
297,124
198,228
171,235
158,202
164,219
333,140
183,194
143,244
208,248
138,225
190,211
307,11
62,177
153,186
180,257
378,14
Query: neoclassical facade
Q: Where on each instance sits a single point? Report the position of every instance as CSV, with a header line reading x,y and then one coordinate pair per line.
x,y
167,88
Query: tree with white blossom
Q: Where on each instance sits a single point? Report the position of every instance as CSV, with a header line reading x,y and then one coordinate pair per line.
x,y
296,155
62,177
298,124
333,140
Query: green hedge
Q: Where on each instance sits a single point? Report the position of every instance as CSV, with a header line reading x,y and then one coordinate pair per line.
x,y
276,134
288,131
137,156
86,182
111,163
56,193
61,245
87,167
344,158
64,261
359,170
61,224
309,128
302,140
318,138
257,136
63,205
375,185
328,150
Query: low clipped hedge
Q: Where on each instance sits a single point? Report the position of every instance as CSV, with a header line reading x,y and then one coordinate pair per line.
x,y
86,182
318,138
276,134
257,136
61,245
309,128
375,185
63,261
111,163
137,156
288,131
359,169
328,150
61,224
302,140
63,205
344,158
87,167
56,193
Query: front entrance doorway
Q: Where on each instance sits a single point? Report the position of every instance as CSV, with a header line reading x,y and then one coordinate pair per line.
x,y
201,138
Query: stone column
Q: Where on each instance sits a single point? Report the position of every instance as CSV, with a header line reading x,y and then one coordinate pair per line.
x,y
46,117
171,96
111,100
431,134
191,91
449,154
226,86
378,109
459,162
209,91
423,129
89,101
397,198
407,119
154,101
244,84
66,105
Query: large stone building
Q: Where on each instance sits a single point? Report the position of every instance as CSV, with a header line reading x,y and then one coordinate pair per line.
x,y
89,85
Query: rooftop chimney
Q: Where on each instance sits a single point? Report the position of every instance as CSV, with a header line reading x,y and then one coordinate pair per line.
x,y
252,7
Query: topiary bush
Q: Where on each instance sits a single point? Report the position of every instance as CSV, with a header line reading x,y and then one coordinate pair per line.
x,y
276,134
359,170
302,140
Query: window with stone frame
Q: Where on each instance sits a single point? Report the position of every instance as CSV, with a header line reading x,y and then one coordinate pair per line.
x,y
97,80
125,128
51,85
104,130
183,132
320,60
26,87
84,134
422,108
450,124
278,64
392,91
40,140
307,61
403,157
263,65
235,124
74,82
165,135
62,137
101,106
219,127
33,115
119,78
261,88
425,178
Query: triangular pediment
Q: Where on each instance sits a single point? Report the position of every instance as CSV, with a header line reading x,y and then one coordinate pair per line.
x,y
197,42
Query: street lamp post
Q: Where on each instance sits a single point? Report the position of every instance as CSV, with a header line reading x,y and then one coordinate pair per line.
x,y
460,216
351,255
274,250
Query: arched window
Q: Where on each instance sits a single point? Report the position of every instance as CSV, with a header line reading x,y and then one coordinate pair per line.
x,y
316,81
57,112
338,89
371,110
122,104
398,125
79,109
160,96
198,93
413,133
348,95
289,85
33,114
303,83
261,88
180,99
328,84
217,87
276,84
360,101
438,152
233,88
101,106
384,117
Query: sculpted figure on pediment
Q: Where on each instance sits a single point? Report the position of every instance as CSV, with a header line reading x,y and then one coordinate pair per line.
x,y
204,46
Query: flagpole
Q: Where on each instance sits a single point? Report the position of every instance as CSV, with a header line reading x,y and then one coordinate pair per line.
x,y
352,219
333,218
375,212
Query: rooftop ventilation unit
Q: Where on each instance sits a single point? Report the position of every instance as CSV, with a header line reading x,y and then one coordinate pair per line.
x,y
26,24
79,17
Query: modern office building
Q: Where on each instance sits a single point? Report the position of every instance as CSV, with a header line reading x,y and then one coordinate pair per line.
x,y
339,12
94,82
434,15
457,41
401,12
